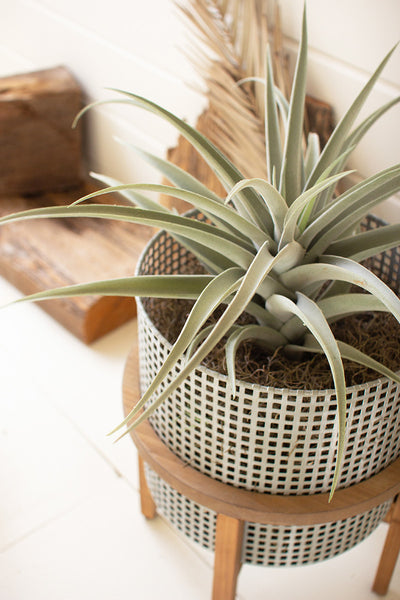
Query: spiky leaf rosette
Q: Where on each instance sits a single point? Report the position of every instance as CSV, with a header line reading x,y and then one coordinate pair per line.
x,y
279,249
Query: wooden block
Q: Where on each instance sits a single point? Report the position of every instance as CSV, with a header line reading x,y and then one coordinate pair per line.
x,y
39,150
319,119
42,254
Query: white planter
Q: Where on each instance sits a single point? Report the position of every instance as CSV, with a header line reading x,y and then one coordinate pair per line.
x,y
267,545
272,440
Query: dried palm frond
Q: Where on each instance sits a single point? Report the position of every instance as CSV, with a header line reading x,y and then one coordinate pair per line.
x,y
235,33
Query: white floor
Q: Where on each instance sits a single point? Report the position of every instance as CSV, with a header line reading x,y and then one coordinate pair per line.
x,y
70,525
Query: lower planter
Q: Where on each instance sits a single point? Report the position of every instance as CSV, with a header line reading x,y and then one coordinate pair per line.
x,y
276,441
267,545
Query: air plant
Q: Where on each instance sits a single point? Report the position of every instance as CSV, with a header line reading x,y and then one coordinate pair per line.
x,y
278,248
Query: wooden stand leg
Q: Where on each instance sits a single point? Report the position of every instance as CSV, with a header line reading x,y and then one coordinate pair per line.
x,y
390,552
147,504
227,561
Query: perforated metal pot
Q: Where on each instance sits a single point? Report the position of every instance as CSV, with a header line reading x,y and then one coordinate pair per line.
x,y
272,440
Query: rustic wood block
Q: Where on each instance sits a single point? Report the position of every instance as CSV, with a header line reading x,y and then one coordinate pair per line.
x,y
319,119
39,150
42,254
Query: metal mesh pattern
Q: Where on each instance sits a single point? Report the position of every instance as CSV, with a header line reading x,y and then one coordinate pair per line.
x,y
267,439
386,264
266,545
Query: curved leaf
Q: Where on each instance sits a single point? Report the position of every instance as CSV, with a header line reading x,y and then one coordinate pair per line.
x,y
349,209
353,140
274,203
334,146
173,173
356,136
269,338
225,170
207,235
310,314
334,308
301,203
157,286
213,261
213,207
342,269
134,198
312,153
216,292
257,271
368,243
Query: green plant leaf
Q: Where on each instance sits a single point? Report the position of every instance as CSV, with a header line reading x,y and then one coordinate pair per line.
x,y
197,340
134,198
213,261
173,173
257,271
205,234
301,203
368,243
310,314
215,293
274,203
349,209
334,308
358,133
327,196
227,173
353,140
292,174
157,286
224,214
185,181
272,132
180,179
334,146
312,153
342,269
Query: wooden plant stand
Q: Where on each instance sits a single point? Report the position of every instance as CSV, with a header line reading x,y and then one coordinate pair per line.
x,y
235,506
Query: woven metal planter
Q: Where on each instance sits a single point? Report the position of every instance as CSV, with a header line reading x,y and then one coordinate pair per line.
x,y
266,545
272,440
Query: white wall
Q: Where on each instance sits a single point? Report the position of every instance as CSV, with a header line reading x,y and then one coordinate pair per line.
x,y
347,41
137,45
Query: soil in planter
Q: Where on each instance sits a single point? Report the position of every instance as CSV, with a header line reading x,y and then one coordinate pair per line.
x,y
376,334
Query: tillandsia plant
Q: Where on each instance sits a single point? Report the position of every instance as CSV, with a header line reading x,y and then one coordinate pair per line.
x,y
285,250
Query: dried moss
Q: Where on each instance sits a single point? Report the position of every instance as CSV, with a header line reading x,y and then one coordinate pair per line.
x,y
376,334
